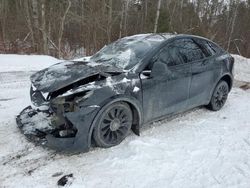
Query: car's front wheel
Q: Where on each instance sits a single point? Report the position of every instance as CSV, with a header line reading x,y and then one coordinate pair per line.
x,y
219,96
113,125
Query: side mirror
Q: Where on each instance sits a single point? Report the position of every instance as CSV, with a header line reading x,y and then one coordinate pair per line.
x,y
159,70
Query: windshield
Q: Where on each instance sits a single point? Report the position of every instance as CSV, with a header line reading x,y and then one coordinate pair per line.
x,y
127,52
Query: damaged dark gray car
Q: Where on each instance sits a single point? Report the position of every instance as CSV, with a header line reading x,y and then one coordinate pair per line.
x,y
133,81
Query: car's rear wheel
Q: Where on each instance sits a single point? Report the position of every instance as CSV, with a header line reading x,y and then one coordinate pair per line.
x,y
113,125
219,96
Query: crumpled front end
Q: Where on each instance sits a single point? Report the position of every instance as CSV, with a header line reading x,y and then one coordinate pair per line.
x,y
61,120
64,117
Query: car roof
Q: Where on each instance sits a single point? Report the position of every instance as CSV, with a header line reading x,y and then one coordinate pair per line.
x,y
161,37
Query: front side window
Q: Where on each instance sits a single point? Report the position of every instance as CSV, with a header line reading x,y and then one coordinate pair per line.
x,y
170,56
178,52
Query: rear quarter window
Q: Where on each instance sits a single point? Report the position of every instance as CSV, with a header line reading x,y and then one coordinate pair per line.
x,y
213,48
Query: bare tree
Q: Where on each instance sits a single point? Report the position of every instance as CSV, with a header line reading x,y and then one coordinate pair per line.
x,y
157,16
232,25
109,25
65,27
62,29
43,29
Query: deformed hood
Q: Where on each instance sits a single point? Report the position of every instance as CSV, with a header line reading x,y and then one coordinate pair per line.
x,y
63,74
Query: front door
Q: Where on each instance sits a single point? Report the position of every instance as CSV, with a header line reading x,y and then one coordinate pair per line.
x,y
168,93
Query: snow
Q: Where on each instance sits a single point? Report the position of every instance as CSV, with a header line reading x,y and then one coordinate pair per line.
x,y
50,76
93,64
85,59
89,86
109,82
94,106
242,70
125,57
136,89
125,80
40,120
25,62
198,148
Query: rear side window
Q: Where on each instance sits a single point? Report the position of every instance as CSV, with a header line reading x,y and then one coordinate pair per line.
x,y
216,48
188,50
212,48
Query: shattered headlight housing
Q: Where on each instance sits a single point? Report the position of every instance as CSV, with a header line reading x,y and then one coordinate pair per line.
x,y
63,104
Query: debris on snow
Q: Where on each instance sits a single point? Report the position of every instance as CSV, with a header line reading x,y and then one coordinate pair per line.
x,y
245,86
65,180
57,174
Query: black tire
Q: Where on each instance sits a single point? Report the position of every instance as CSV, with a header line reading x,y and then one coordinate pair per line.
x,y
113,125
219,96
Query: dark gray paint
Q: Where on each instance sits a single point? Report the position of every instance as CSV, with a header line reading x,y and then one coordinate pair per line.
x,y
163,90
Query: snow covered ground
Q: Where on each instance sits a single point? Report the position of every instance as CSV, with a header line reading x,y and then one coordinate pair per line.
x,y
199,148
242,71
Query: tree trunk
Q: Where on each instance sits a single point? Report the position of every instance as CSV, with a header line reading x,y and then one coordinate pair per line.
x,y
232,26
62,29
126,17
36,30
44,32
28,20
122,19
157,16
3,15
109,29
145,15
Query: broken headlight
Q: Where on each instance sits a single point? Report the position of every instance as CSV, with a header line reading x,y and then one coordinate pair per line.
x,y
60,105
69,103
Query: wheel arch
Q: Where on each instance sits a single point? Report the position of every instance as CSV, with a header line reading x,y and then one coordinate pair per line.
x,y
227,78
135,108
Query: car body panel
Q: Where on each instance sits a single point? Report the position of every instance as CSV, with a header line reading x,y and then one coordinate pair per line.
x,y
78,92
204,72
63,74
159,99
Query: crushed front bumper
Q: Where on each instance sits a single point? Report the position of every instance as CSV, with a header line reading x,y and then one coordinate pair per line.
x,y
36,125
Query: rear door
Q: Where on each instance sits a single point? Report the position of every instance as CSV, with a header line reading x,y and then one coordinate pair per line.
x,y
203,69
